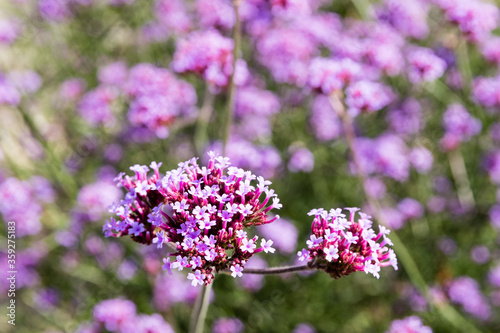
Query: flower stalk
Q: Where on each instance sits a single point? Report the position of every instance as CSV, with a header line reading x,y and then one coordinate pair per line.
x,y
232,85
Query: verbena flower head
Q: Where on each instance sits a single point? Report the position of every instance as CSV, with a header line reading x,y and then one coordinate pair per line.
x,y
324,122
460,126
475,18
158,98
424,65
96,106
409,324
467,292
209,54
173,16
486,91
202,210
407,17
9,31
341,246
328,75
367,96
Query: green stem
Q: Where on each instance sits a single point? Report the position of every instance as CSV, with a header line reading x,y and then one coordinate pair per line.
x,y
363,7
232,85
200,310
67,184
200,134
275,270
459,172
464,64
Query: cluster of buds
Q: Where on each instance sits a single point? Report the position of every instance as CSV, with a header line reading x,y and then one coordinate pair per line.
x,y
341,247
201,211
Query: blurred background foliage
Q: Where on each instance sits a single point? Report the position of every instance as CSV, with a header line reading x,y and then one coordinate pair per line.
x,y
66,266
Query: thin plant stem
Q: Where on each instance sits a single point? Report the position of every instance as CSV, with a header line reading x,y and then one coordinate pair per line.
x,y
200,134
445,310
464,64
232,85
276,270
66,183
363,8
200,310
459,172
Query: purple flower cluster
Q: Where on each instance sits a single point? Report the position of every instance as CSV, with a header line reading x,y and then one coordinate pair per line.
x,y
260,159
494,276
367,96
386,155
113,74
486,91
408,17
254,108
475,18
95,198
26,81
71,89
421,159
466,292
9,31
328,75
459,125
227,325
341,247
96,106
9,94
325,123
411,208
284,235
54,10
171,290
424,65
201,210
157,98
218,14
411,324
209,54
27,265
120,316
173,16
286,52
491,49
301,159
21,201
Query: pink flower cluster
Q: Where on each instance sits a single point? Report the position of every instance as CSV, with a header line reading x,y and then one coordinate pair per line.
x,y
286,53
22,200
408,17
209,54
387,155
341,247
328,75
367,96
96,106
409,324
172,15
424,65
120,316
486,91
158,98
459,125
475,18
201,210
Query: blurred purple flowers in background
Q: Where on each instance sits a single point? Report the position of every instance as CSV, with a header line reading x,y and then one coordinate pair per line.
x,y
392,106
